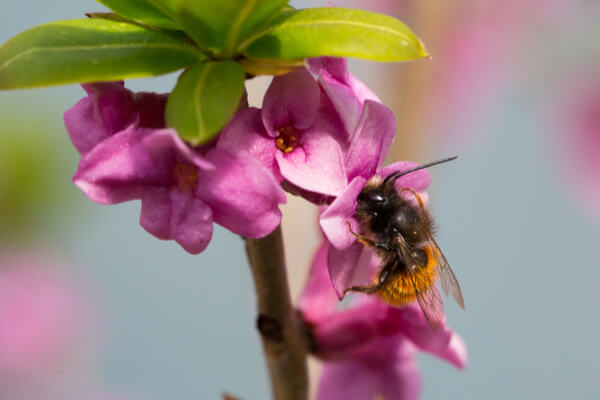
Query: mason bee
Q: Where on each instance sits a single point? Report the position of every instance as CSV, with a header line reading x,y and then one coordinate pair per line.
x,y
401,233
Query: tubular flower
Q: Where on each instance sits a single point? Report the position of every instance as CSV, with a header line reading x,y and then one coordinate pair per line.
x,y
294,135
347,259
301,129
368,348
183,191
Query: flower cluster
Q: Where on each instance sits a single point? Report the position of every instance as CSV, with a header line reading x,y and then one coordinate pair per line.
x,y
311,137
320,134
127,153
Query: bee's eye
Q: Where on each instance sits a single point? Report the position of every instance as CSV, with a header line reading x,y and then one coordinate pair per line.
x,y
371,197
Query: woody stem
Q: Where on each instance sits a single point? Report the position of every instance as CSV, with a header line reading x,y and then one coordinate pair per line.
x,y
278,323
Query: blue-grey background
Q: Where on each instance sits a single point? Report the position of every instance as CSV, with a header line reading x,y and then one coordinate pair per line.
x,y
177,326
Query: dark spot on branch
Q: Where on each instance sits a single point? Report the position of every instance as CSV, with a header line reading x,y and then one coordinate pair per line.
x,y
269,328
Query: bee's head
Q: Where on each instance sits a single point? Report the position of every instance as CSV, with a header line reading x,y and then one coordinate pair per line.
x,y
371,201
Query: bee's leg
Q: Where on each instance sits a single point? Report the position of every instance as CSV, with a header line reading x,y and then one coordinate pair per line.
x,y
385,273
362,239
366,241
417,196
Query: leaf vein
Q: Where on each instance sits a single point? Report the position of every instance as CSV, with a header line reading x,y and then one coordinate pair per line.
x,y
238,22
252,38
34,50
197,93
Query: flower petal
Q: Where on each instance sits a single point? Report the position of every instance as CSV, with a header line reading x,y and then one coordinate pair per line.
x,y
345,103
334,219
317,165
318,298
243,195
388,371
169,213
341,334
292,99
347,94
370,142
246,132
156,212
336,68
118,168
418,180
444,343
348,267
108,108
191,221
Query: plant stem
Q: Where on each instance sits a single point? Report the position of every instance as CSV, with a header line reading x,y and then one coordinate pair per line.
x,y
278,323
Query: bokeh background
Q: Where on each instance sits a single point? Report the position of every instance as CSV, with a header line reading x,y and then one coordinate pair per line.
x,y
513,88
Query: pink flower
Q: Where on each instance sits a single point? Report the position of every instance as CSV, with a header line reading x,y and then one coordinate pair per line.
x,y
47,337
369,348
45,326
41,314
294,135
347,259
130,155
478,46
312,141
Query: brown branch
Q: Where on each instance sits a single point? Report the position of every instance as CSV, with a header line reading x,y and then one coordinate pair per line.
x,y
277,322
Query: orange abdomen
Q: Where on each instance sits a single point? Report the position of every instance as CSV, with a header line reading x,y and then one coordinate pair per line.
x,y
399,289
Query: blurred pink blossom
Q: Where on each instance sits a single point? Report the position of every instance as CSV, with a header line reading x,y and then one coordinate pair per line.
x,y
44,316
481,53
575,120
47,332
46,325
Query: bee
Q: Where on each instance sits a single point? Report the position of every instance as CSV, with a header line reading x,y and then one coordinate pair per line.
x,y
401,234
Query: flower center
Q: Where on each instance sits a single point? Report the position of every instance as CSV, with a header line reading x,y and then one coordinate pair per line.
x,y
287,139
186,177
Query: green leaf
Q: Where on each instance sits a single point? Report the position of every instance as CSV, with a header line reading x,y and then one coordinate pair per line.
x,y
219,26
141,11
90,50
332,31
204,99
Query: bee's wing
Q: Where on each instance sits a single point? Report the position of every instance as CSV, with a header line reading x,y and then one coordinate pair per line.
x,y
447,278
430,300
431,304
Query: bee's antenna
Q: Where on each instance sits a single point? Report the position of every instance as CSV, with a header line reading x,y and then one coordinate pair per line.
x,y
395,175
